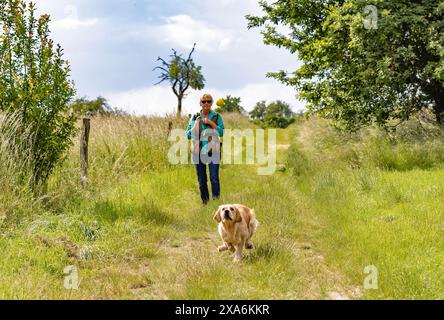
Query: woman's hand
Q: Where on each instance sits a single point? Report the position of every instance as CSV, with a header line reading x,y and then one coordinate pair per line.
x,y
196,123
210,123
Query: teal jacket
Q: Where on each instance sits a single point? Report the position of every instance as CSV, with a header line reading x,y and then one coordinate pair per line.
x,y
203,127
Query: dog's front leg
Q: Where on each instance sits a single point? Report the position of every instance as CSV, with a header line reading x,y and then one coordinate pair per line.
x,y
238,253
223,247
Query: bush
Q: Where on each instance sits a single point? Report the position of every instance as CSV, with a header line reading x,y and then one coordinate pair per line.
x,y
35,86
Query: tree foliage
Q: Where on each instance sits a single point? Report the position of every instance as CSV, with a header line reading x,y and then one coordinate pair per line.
x,y
277,114
182,75
98,106
231,104
359,63
35,83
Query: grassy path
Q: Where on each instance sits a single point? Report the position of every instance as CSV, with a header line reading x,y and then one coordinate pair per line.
x,y
186,265
134,235
149,237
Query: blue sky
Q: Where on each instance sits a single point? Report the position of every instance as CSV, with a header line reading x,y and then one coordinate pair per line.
x,y
113,45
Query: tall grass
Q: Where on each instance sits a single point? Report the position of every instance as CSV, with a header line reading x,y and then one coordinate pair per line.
x,y
120,147
125,145
414,145
379,195
15,149
15,166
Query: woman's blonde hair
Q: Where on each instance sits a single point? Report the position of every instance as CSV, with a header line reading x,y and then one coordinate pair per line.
x,y
206,95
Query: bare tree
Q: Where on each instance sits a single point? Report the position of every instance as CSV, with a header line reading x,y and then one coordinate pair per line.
x,y
182,74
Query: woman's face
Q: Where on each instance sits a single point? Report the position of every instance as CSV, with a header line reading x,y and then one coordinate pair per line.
x,y
205,104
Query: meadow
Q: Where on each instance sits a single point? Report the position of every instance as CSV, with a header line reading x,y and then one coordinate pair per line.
x,y
338,203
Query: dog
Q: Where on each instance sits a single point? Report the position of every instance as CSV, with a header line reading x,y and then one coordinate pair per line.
x,y
237,224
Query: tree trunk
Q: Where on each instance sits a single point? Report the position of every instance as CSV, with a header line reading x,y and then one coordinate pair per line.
x,y
438,96
179,107
436,92
439,113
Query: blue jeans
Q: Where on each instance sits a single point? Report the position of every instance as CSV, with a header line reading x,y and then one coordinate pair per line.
x,y
201,170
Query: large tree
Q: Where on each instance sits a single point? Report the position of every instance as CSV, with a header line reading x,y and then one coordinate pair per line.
x,y
35,85
277,114
361,63
182,75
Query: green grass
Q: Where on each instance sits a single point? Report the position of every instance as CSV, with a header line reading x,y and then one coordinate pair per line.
x,y
139,230
391,220
165,247
384,209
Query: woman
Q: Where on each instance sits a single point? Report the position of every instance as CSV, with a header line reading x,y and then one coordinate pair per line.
x,y
205,128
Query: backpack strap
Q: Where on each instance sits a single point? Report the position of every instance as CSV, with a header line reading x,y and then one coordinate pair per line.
x,y
217,118
199,131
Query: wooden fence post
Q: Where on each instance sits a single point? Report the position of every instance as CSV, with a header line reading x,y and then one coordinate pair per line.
x,y
170,127
84,140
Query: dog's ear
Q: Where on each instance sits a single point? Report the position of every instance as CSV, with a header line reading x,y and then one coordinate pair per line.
x,y
217,216
238,216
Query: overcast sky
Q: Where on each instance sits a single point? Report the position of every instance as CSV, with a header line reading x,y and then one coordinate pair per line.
x,y
113,45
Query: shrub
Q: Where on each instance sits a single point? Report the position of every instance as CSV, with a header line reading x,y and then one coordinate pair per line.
x,y
35,86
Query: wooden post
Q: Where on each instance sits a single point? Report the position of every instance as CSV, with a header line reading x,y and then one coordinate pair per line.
x,y
170,127
84,140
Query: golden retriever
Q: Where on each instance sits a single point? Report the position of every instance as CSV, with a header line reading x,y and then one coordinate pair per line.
x,y
237,224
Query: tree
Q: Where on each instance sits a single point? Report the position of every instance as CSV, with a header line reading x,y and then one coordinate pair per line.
x,y
231,104
84,106
182,74
361,63
277,114
35,83
258,112
98,106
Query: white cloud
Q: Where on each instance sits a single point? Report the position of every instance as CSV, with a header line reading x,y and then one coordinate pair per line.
x,y
271,91
183,31
156,100
226,2
160,100
73,24
71,21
